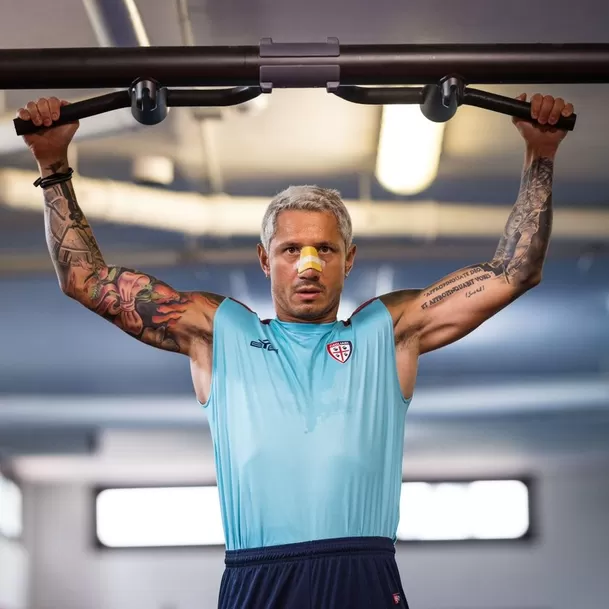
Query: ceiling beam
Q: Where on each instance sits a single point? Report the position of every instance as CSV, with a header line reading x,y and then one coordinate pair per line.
x,y
198,215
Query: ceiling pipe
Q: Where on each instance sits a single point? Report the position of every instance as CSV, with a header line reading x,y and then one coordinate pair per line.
x,y
116,23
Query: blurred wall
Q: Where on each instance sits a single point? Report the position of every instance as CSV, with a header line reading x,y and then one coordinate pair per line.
x,y
14,574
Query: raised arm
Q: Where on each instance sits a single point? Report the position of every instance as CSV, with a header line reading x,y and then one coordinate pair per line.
x,y
459,303
136,302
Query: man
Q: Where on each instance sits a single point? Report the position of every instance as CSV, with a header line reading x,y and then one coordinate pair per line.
x,y
306,412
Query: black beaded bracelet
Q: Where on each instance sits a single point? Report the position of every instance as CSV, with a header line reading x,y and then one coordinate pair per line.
x,y
54,178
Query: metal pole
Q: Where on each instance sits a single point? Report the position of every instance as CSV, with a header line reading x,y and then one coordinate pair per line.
x,y
359,65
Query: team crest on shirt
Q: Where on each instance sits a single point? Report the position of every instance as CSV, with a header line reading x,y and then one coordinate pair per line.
x,y
340,350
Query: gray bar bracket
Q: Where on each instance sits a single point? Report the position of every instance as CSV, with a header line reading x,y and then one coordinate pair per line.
x,y
303,76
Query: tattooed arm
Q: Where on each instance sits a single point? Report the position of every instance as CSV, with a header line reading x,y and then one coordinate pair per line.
x,y
136,302
462,301
459,303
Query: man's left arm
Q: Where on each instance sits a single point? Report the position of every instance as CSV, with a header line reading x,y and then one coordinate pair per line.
x,y
462,301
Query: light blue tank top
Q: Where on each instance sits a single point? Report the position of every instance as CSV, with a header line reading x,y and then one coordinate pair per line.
x,y
307,422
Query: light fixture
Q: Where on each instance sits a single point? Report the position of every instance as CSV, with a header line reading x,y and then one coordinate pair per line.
x,y
409,149
153,170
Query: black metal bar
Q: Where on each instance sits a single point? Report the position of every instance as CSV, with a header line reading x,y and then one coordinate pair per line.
x,y
122,99
238,95
211,97
510,107
380,95
359,65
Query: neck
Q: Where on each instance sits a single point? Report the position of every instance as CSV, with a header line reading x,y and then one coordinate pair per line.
x,y
324,319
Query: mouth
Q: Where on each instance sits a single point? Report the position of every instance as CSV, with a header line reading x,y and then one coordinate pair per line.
x,y
308,293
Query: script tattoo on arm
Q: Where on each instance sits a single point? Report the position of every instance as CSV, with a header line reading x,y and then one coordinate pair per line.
x,y
462,301
138,303
521,252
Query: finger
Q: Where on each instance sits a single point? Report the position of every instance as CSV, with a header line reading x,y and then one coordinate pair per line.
x,y
556,111
32,108
23,114
45,111
536,105
54,106
568,110
546,107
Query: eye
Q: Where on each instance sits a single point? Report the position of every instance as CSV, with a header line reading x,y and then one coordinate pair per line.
x,y
291,250
324,249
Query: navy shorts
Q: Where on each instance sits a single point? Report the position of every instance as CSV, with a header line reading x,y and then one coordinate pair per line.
x,y
349,573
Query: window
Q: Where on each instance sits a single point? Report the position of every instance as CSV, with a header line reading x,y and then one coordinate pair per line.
x,y
429,511
153,517
459,511
11,509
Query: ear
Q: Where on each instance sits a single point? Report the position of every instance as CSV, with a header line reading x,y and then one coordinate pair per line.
x,y
264,260
350,259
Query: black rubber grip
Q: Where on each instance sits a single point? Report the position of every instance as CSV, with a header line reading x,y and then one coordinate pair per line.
x,y
380,95
78,110
511,107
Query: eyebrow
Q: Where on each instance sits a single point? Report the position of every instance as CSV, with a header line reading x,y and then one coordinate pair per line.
x,y
315,245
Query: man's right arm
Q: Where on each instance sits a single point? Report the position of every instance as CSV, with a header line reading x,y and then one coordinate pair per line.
x,y
136,302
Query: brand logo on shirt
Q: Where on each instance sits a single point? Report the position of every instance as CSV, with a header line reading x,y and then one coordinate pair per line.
x,y
396,599
264,344
340,350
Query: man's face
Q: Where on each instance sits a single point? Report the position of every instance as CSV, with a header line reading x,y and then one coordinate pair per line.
x,y
310,296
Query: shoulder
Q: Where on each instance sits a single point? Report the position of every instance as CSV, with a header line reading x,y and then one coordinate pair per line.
x,y
394,308
396,303
371,311
231,309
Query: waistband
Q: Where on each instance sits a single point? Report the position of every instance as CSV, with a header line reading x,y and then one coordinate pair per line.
x,y
310,549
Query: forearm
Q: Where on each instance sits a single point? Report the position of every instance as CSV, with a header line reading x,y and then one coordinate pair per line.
x,y
72,246
522,249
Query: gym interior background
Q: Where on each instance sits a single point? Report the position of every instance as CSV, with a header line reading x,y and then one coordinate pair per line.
x,y
525,398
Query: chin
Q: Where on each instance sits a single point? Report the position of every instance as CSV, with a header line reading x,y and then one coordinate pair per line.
x,y
310,312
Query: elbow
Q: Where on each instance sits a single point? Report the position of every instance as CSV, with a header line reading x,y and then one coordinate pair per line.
x,y
531,281
69,290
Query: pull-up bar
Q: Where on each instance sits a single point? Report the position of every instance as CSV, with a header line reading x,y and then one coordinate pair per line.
x,y
445,70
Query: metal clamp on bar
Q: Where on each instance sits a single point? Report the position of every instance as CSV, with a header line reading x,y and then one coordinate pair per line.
x,y
306,75
441,101
148,101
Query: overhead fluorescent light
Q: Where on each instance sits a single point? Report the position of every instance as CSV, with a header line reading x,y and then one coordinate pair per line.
x,y
153,170
409,150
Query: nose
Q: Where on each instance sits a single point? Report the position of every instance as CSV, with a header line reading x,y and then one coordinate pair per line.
x,y
310,275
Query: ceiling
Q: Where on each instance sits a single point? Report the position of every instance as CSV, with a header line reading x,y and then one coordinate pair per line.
x,y
553,342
